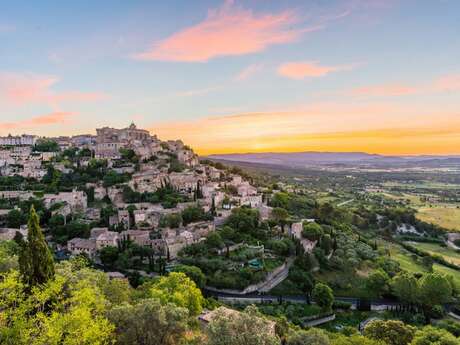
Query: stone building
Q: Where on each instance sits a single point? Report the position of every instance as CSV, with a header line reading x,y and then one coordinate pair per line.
x,y
18,140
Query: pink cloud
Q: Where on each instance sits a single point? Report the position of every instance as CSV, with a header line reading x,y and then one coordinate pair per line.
x,y
448,83
226,31
307,69
385,90
42,120
249,71
21,89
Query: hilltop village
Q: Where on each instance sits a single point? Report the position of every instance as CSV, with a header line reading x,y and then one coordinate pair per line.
x,y
139,189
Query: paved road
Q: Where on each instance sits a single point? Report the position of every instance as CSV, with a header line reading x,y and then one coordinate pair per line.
x,y
345,202
262,298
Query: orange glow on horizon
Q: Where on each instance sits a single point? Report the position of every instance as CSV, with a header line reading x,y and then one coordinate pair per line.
x,y
320,129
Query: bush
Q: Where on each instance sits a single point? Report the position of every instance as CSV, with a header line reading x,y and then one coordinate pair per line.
x,y
341,305
437,311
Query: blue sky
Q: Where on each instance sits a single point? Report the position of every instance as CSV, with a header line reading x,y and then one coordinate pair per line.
x,y
230,76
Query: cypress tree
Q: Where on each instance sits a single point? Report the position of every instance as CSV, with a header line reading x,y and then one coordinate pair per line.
x,y
35,260
213,207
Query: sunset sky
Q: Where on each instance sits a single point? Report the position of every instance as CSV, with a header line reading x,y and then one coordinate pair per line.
x,y
380,76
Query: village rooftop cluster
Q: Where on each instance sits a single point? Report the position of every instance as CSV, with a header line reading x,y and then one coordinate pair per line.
x,y
150,165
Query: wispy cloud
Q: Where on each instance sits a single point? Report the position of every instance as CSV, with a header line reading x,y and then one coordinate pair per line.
x,y
249,71
308,69
42,120
21,89
446,83
228,30
385,90
196,92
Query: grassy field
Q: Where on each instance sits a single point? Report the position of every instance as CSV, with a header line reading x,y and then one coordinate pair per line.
x,y
423,185
413,199
446,270
407,263
448,254
446,216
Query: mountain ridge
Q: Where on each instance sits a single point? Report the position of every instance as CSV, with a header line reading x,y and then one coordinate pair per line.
x,y
324,158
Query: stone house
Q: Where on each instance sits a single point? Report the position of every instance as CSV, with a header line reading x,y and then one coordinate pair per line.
x,y
81,245
77,200
105,238
147,181
8,234
253,201
245,189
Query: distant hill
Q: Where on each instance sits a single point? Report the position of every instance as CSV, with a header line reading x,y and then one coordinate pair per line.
x,y
302,159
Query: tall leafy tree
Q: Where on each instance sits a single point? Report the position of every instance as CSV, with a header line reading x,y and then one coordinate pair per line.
x,y
405,287
67,310
179,289
323,296
149,323
430,335
35,259
244,328
392,332
377,282
434,288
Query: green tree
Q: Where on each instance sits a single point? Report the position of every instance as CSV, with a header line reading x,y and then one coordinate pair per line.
x,y
35,259
67,310
326,243
243,219
8,255
304,281
434,336
240,328
194,273
179,289
214,240
427,262
405,287
112,178
192,214
280,200
279,215
117,291
311,337
355,339
392,332
434,288
46,145
323,296
173,220
14,219
377,282
312,231
149,323
109,255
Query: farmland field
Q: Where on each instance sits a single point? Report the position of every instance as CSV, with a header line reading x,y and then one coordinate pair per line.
x,y
405,259
445,216
448,254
